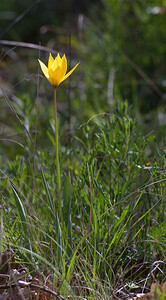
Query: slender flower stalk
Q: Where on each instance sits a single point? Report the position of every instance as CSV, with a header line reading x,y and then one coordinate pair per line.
x,y
56,73
57,155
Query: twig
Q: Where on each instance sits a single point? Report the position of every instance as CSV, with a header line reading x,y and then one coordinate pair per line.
x,y
24,284
27,45
4,276
12,141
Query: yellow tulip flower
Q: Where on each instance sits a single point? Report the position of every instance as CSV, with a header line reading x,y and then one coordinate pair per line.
x,y
56,71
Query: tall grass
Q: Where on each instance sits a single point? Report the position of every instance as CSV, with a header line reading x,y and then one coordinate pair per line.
x,y
113,227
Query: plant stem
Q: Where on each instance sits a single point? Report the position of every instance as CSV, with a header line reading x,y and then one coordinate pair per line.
x,y
57,157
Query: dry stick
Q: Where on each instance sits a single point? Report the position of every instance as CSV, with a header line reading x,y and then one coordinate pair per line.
x,y
139,71
24,284
27,45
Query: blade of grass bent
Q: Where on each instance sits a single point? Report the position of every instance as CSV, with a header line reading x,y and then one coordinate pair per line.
x,y
57,223
23,217
48,195
67,213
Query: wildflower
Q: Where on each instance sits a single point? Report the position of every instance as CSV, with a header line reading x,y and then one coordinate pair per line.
x,y
56,71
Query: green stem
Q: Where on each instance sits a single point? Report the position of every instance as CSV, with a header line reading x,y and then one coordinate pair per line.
x,y
57,157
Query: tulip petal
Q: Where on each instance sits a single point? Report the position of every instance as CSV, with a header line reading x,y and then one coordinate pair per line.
x,y
50,61
64,66
58,57
55,64
55,77
69,73
44,69
55,73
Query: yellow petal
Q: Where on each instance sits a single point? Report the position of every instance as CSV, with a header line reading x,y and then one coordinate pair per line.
x,y
64,66
55,76
50,61
57,70
44,68
58,57
69,73
55,64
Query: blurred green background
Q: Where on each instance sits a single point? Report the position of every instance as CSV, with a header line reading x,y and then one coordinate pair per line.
x,y
121,49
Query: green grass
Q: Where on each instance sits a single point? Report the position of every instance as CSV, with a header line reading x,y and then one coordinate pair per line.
x,y
112,240
113,194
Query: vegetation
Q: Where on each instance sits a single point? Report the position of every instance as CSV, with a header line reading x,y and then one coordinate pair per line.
x,y
110,241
